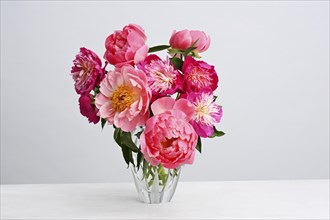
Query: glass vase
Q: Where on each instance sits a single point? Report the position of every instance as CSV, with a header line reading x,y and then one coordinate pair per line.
x,y
154,184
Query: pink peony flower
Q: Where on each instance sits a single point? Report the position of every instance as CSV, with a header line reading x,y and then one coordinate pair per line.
x,y
126,46
206,113
88,109
185,39
168,138
163,78
86,71
124,98
199,76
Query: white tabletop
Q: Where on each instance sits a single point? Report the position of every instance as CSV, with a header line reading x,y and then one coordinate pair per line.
x,y
285,199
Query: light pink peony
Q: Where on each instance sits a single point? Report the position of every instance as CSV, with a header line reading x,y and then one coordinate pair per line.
x,y
88,109
206,113
124,98
126,46
86,71
185,39
168,138
199,76
163,78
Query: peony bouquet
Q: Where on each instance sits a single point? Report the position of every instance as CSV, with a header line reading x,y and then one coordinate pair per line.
x,y
160,108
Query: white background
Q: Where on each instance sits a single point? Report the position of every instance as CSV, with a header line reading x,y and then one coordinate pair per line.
x,y
273,63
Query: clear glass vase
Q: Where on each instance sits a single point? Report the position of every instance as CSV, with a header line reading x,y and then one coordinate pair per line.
x,y
154,184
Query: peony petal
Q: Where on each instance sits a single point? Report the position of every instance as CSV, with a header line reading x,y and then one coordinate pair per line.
x,y
135,40
172,37
143,119
129,126
100,99
162,104
151,123
208,42
136,28
153,161
185,106
130,53
181,40
105,90
106,110
143,143
190,160
202,130
141,54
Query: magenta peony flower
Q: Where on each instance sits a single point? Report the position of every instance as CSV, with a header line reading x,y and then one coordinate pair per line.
x,y
168,138
185,39
207,113
88,109
126,46
199,76
124,98
86,71
163,78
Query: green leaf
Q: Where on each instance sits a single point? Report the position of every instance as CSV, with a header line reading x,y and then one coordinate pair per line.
x,y
175,51
124,139
199,145
116,134
96,90
127,154
193,45
158,48
189,49
162,174
131,159
150,172
215,98
145,167
217,133
138,134
177,62
103,121
151,182
186,52
139,159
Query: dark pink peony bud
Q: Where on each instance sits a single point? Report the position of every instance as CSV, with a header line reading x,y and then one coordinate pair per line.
x,y
86,71
88,109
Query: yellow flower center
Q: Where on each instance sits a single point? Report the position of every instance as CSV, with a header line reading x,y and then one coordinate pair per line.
x,y
122,98
202,109
200,112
